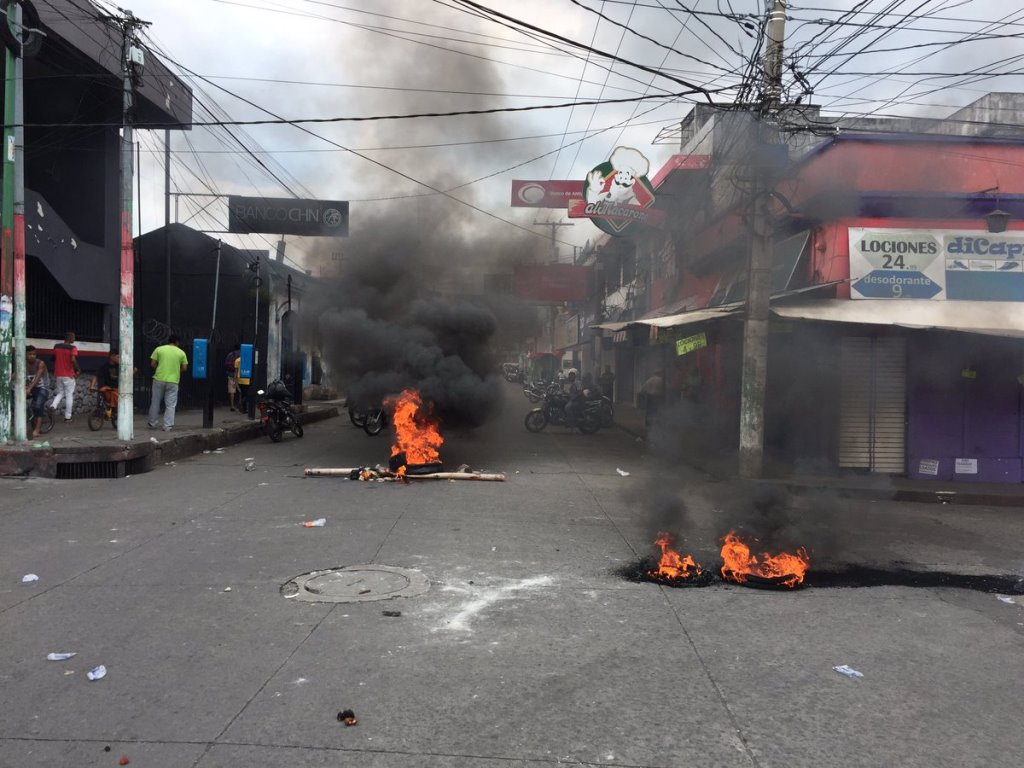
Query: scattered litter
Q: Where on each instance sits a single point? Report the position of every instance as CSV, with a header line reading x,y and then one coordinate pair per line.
x,y
494,549
44,444
124,760
106,748
844,669
262,484
153,440
392,614
218,450
622,472
60,656
68,672
227,589
98,673
29,578
365,591
347,716
206,451
1005,599
250,464
463,468
320,522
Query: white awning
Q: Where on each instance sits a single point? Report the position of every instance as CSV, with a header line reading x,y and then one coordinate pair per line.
x,y
685,318
611,326
995,318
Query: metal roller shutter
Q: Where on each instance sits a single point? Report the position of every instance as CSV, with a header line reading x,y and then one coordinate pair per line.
x,y
872,413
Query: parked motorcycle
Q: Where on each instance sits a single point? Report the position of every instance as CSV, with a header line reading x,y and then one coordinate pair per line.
x,y
553,412
371,420
276,414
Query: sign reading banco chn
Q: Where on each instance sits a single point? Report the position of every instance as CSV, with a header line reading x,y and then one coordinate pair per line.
x,y
288,216
936,264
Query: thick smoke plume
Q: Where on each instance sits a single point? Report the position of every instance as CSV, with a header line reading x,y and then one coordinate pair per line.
x,y
411,307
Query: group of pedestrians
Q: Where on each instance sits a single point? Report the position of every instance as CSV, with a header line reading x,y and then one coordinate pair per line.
x,y
168,362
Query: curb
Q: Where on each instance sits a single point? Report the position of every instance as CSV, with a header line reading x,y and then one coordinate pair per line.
x,y
88,462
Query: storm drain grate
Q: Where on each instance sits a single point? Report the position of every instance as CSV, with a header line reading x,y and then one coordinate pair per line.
x,y
356,584
99,470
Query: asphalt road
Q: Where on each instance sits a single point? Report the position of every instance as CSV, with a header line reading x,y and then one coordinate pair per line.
x,y
528,649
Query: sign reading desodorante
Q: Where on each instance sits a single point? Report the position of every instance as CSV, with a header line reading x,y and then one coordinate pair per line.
x,y
936,264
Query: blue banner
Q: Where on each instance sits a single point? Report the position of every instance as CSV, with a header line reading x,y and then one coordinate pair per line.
x,y
199,350
246,360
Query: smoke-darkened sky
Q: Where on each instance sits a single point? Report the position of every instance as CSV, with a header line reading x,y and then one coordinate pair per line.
x,y
306,58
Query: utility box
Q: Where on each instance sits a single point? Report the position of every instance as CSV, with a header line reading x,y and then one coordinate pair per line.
x,y
200,348
245,364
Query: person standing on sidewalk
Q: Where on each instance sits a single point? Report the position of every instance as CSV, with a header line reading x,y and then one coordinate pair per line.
x,y
65,369
36,381
168,362
230,368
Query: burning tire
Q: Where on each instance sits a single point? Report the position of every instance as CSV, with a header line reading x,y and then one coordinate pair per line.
x,y
536,420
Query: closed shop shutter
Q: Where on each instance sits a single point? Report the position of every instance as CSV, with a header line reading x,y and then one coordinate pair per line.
x,y
872,413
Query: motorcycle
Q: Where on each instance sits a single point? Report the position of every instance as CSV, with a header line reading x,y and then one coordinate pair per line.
x,y
371,420
276,414
535,391
553,412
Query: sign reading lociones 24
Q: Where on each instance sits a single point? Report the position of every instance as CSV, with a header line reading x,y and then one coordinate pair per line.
x,y
617,194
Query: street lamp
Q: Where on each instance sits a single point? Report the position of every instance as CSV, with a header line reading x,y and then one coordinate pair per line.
x,y
997,221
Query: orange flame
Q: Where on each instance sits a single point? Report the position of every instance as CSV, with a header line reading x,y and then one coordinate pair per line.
x,y
416,430
787,569
672,565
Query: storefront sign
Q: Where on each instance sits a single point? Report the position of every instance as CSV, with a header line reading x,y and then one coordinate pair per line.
x,y
617,194
288,216
966,466
936,264
545,194
691,344
928,467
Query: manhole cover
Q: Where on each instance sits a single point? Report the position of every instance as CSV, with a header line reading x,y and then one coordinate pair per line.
x,y
356,584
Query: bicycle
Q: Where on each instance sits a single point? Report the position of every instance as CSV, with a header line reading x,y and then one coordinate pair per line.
x,y
106,408
47,422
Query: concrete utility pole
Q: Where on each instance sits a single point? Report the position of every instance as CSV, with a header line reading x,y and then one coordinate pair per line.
x,y
12,291
759,279
131,57
554,230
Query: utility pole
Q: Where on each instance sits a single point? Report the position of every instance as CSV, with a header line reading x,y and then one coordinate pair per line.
x,y
131,58
554,229
759,279
212,352
167,222
12,291
255,340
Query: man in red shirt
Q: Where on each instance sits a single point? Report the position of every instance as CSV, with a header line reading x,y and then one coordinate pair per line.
x,y
65,369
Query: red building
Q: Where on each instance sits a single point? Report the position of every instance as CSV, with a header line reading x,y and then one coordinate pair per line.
x,y
896,314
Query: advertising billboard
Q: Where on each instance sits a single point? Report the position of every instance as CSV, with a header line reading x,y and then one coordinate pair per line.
x,y
936,264
550,283
288,216
545,194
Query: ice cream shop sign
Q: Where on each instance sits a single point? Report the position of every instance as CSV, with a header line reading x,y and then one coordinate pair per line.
x,y
617,194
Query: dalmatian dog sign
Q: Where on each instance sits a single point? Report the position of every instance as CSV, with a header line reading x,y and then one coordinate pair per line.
x,y
617,194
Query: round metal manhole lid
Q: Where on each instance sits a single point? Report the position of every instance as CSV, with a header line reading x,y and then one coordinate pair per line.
x,y
356,584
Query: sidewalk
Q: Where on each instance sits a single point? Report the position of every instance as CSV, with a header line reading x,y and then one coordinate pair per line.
x,y
73,451
847,485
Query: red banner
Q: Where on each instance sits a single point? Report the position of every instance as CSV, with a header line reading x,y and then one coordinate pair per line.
x,y
550,283
545,194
